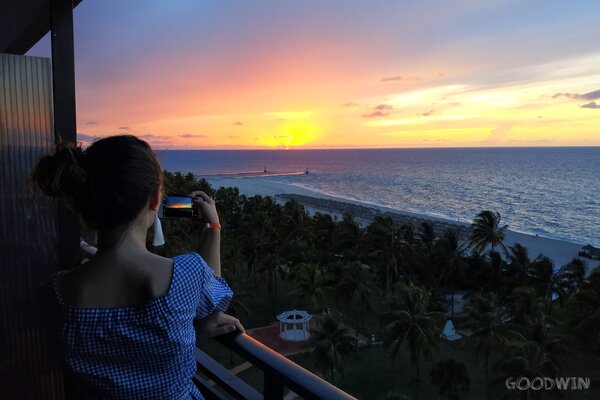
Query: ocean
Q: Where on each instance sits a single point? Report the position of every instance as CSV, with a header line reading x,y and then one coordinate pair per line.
x,y
551,191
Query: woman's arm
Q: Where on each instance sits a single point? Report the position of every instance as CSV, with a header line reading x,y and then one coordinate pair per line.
x,y
210,248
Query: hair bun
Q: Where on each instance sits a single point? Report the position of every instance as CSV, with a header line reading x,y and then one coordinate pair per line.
x,y
108,185
62,174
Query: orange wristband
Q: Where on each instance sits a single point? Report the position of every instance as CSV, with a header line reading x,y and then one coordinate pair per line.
x,y
214,225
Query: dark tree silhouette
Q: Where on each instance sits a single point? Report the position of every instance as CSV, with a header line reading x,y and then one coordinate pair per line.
x,y
490,329
331,343
413,323
451,377
486,231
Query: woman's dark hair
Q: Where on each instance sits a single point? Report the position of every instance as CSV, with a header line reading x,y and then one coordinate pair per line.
x,y
107,185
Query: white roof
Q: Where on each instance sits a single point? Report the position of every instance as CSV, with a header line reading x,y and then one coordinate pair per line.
x,y
294,316
449,331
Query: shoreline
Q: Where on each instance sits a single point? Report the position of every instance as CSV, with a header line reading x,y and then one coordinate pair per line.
x,y
559,251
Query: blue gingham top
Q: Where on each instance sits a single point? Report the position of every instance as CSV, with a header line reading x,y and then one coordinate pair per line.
x,y
144,351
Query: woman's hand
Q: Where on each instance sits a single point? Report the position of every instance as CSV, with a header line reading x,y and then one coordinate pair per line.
x,y
218,324
206,206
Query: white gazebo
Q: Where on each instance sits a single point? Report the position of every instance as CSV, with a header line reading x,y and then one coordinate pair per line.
x,y
293,325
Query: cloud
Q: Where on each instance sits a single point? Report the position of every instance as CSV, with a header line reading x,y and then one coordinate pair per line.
x,y
429,113
124,128
151,136
594,95
591,104
157,141
401,78
375,114
192,135
84,137
350,104
91,123
238,123
382,110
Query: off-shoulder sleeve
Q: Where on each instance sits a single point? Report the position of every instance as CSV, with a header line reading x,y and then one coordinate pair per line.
x,y
215,294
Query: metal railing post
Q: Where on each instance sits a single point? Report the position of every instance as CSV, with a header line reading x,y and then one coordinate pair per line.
x,y
274,387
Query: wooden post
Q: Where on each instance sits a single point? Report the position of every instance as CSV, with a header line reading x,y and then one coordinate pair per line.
x,y
65,127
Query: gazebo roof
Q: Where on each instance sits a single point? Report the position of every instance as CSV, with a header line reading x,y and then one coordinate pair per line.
x,y
294,316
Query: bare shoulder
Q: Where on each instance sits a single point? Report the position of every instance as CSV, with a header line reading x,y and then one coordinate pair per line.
x,y
118,281
157,272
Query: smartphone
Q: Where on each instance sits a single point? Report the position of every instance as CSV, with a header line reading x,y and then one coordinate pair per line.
x,y
179,206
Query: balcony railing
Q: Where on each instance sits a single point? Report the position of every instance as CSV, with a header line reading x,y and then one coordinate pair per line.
x,y
279,372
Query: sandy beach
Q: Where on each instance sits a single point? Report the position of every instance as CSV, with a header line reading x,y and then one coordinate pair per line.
x,y
559,251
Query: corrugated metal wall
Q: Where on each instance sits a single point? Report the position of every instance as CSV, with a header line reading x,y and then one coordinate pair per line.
x,y
28,231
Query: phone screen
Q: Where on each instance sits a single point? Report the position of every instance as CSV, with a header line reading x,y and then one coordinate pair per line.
x,y
178,207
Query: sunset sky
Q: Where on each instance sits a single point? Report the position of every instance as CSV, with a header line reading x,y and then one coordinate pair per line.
x,y
335,74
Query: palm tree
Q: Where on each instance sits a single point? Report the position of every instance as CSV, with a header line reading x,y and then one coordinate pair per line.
x,y
408,234
411,321
541,276
568,279
486,272
382,248
541,331
176,182
308,285
525,305
586,324
232,255
348,237
451,253
451,377
353,287
269,272
324,237
520,265
259,234
296,232
331,343
427,234
486,230
489,327
229,204
561,284
529,360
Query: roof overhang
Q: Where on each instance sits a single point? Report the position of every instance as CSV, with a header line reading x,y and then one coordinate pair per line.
x,y
23,23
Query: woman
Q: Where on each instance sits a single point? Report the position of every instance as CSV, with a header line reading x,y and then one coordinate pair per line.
x,y
127,314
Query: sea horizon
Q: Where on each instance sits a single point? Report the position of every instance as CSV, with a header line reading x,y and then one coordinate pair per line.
x,y
159,149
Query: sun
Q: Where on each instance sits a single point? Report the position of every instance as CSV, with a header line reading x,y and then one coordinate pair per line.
x,y
292,134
